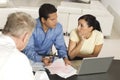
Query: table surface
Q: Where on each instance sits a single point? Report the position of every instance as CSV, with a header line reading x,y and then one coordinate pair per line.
x,y
112,74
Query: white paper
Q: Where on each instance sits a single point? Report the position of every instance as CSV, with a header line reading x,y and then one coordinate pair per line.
x,y
58,67
38,66
41,75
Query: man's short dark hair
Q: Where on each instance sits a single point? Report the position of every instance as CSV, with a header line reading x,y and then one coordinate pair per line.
x,y
45,10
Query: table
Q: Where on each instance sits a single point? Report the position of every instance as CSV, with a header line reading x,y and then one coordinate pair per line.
x,y
112,74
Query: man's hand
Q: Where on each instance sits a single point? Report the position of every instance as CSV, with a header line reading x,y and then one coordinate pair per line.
x,y
67,62
47,61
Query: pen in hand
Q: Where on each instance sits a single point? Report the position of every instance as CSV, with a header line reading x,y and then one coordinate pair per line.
x,y
47,60
52,57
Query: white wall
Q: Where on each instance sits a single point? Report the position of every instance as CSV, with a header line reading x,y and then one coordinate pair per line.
x,y
114,3
32,3
114,8
111,46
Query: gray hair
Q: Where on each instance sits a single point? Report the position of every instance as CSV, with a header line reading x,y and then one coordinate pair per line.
x,y
18,23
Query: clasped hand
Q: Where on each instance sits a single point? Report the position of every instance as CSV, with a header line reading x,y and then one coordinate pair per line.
x,y
47,60
82,33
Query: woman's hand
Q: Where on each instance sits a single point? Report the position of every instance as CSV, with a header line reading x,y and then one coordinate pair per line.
x,y
80,33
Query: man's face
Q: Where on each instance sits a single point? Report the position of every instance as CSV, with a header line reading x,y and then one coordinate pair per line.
x,y
51,20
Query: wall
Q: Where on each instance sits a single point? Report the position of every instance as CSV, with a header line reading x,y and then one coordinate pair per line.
x,y
32,3
111,46
114,8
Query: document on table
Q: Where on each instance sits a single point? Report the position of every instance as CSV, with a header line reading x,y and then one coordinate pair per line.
x,y
38,66
58,67
41,75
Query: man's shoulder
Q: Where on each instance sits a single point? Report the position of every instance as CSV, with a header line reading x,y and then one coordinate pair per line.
x,y
13,55
16,54
58,26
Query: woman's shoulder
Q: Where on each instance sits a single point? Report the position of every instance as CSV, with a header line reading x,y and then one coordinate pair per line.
x,y
97,32
74,31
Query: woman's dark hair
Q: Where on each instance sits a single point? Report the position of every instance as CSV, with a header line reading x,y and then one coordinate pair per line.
x,y
91,21
45,10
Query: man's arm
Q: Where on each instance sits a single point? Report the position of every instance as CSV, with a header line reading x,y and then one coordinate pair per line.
x,y
30,50
60,45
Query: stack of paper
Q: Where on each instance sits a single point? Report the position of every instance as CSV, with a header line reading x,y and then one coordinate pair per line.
x,y
58,67
38,66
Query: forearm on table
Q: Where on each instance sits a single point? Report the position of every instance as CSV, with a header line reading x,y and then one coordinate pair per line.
x,y
87,55
76,50
34,56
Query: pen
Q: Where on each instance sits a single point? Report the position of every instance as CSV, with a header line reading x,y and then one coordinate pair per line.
x,y
53,56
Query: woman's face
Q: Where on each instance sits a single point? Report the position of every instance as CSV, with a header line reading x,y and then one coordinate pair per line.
x,y
83,27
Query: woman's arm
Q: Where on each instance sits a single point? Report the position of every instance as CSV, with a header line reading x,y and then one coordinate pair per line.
x,y
95,53
74,49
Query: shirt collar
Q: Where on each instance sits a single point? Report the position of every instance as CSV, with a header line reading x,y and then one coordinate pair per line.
x,y
6,40
40,25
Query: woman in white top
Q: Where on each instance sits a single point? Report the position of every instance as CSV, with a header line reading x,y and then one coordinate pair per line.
x,y
87,39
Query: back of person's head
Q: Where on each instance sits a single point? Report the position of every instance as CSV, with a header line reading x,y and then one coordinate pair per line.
x,y
45,10
18,23
91,21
